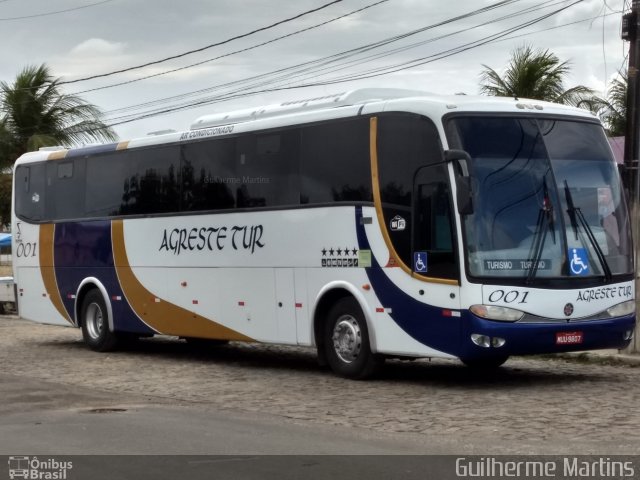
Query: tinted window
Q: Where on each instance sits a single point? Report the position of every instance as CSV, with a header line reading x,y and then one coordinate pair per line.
x,y
151,185
30,191
334,162
433,232
209,175
405,144
267,166
106,176
322,163
65,191
133,182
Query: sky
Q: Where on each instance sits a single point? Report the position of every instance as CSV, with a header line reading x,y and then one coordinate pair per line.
x,y
258,52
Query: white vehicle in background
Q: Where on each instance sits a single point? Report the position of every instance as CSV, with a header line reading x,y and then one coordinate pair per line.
x,y
368,224
7,295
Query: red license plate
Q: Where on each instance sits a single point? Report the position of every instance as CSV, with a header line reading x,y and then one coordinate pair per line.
x,y
569,338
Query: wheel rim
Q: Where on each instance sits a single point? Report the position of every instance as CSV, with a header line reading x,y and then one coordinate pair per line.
x,y
94,320
347,338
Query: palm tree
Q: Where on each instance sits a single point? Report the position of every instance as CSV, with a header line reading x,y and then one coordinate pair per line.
x,y
35,113
613,109
533,74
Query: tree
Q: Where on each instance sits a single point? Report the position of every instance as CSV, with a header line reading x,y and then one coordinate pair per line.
x,y
35,113
613,109
5,198
535,74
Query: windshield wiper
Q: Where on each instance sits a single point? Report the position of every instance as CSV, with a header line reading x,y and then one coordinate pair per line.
x,y
542,227
575,215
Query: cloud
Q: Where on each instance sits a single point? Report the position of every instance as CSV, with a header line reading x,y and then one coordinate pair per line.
x,y
92,55
95,46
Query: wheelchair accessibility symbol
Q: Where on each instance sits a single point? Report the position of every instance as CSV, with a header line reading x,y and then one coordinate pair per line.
x,y
578,261
420,262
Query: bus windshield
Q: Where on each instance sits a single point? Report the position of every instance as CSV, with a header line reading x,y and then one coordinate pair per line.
x,y
547,200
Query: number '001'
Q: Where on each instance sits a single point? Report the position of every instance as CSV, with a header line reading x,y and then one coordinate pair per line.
x,y
510,296
26,249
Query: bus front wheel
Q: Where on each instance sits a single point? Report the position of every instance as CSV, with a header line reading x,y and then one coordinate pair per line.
x,y
95,323
346,341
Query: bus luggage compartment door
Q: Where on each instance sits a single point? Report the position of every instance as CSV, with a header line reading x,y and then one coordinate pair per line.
x,y
285,306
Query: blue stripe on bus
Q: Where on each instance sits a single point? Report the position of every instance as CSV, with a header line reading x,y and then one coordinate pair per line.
x,y
81,250
425,323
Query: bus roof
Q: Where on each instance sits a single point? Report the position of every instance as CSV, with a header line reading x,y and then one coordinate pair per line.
x,y
376,95
362,101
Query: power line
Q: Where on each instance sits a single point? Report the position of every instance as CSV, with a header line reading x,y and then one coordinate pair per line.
x,y
453,51
241,93
53,13
253,47
404,48
184,54
511,37
322,65
307,67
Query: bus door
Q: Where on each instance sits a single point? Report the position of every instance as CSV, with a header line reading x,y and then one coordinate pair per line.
x,y
286,306
433,244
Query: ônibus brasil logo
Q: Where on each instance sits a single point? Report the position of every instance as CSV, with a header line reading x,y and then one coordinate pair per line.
x,y
32,468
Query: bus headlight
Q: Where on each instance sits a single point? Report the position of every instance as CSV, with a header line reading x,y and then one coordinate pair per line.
x,y
493,312
622,309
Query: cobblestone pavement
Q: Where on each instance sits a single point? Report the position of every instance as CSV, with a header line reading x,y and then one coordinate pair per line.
x,y
533,405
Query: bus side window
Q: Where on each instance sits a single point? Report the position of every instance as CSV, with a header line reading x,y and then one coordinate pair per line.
x,y
153,181
334,162
268,169
106,185
209,175
65,190
30,191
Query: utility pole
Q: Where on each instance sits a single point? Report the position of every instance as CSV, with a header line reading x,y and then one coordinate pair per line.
x,y
630,29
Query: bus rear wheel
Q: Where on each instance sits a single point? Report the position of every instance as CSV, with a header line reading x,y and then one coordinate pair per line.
x,y
346,342
95,323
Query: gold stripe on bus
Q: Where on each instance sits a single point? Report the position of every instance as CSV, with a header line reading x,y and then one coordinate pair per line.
x,y
122,145
377,201
163,316
58,155
47,268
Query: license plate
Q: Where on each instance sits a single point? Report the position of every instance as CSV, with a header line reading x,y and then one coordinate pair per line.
x,y
569,338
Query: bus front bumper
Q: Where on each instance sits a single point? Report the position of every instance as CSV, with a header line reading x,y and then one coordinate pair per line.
x,y
482,338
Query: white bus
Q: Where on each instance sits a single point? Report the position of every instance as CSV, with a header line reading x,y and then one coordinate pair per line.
x,y
368,224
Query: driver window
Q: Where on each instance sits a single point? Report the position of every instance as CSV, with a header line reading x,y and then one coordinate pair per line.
x,y
433,232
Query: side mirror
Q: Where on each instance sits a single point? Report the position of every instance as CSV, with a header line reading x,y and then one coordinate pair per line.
x,y
461,157
461,161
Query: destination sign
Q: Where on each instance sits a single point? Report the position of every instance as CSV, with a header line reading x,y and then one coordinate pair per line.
x,y
515,264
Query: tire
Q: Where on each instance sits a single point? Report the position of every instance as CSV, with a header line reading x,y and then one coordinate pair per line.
x,y
346,342
95,323
485,363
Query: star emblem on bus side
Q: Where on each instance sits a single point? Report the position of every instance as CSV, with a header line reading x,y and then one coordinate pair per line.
x,y
338,252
